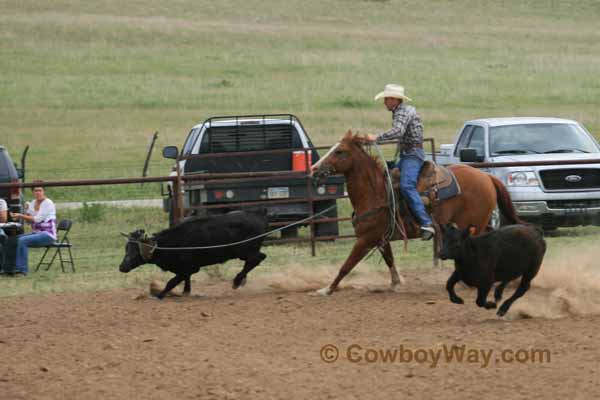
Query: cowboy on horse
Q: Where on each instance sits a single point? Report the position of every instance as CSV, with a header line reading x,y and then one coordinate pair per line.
x,y
408,128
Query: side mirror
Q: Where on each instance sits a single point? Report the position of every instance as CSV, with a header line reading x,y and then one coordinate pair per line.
x,y
170,152
468,155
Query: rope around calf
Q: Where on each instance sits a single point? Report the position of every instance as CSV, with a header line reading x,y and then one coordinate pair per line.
x,y
155,247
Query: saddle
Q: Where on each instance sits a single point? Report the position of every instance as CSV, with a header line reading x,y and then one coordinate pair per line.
x,y
435,184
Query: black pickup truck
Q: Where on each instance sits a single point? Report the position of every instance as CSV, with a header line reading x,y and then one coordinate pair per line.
x,y
240,144
9,173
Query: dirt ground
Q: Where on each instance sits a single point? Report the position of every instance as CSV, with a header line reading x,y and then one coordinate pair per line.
x,y
265,342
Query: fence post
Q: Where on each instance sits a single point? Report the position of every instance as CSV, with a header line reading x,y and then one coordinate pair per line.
x,y
145,170
177,203
311,204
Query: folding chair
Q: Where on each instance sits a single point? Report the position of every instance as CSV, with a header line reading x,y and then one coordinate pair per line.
x,y
63,243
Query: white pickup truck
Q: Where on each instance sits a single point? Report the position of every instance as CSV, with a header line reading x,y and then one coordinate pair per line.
x,y
551,195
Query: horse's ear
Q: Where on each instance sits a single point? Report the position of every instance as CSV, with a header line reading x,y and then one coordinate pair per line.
x,y
348,134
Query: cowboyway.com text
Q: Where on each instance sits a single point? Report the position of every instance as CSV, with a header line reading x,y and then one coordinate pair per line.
x,y
356,353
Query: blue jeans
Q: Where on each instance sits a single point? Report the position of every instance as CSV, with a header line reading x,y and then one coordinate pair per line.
x,y
410,165
37,239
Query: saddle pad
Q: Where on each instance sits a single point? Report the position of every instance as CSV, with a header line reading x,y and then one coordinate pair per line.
x,y
432,175
448,187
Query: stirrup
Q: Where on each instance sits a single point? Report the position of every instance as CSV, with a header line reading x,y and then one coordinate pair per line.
x,y
427,232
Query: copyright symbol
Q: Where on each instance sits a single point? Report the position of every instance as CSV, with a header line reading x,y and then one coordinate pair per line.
x,y
329,353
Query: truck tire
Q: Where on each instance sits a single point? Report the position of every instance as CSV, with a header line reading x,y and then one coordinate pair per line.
x,y
327,228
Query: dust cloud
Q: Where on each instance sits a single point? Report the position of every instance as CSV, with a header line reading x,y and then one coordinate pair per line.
x,y
298,277
568,284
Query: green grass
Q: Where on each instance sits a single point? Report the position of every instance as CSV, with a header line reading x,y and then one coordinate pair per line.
x,y
86,84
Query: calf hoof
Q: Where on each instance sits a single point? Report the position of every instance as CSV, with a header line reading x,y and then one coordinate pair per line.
x,y
326,291
457,300
237,283
502,311
489,305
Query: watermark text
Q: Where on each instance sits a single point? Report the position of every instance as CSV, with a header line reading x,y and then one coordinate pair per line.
x,y
433,357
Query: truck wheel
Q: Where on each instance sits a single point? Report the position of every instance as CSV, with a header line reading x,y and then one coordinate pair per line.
x,y
290,232
327,228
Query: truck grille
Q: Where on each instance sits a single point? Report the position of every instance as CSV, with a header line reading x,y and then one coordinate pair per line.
x,y
573,204
565,179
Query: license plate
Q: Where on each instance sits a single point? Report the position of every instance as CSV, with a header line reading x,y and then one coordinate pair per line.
x,y
278,193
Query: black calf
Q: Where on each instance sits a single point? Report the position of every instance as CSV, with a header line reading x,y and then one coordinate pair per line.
x,y
499,256
212,232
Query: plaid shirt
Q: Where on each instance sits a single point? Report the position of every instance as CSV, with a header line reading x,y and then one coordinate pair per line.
x,y
406,126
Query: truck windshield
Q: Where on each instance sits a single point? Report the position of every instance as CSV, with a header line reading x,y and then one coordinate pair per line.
x,y
189,142
540,139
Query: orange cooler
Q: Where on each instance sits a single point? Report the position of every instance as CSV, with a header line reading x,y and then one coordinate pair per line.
x,y
299,160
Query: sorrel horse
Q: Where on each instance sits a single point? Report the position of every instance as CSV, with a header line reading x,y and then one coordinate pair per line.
x,y
366,184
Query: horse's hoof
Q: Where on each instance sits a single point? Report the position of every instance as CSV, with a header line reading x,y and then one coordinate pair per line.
x,y
402,280
326,291
396,287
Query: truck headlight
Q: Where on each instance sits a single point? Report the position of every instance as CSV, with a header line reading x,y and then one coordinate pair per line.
x,y
522,178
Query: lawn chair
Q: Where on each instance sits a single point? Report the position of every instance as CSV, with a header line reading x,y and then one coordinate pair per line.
x,y
63,243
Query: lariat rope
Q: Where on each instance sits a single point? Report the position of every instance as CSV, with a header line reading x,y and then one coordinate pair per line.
x,y
155,247
392,201
391,198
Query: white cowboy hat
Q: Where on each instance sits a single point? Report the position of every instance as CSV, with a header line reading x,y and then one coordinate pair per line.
x,y
391,90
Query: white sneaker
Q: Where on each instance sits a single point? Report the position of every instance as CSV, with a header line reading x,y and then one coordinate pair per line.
x,y
427,232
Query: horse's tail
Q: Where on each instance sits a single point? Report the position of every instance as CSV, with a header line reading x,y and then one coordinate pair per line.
x,y
505,203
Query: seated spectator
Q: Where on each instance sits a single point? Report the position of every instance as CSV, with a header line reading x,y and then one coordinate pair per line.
x,y
41,214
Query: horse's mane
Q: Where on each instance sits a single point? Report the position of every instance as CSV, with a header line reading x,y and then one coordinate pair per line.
x,y
363,144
